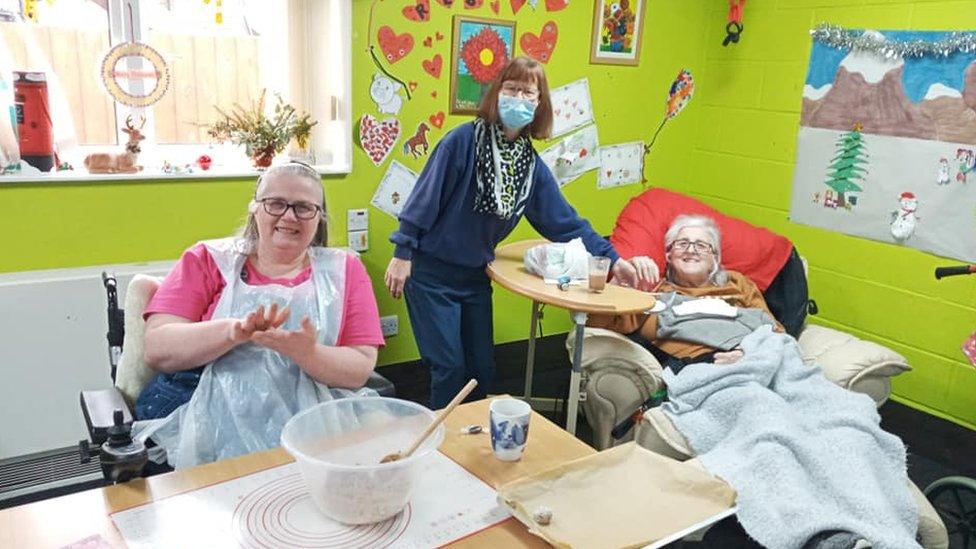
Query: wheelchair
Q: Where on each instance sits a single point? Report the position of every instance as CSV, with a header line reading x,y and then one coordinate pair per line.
x,y
108,412
954,498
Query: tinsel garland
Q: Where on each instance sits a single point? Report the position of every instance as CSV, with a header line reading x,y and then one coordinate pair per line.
x,y
838,37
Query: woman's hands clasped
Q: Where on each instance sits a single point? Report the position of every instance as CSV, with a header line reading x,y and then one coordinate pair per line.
x,y
263,327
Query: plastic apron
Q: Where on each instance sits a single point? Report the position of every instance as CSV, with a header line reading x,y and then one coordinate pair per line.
x,y
246,396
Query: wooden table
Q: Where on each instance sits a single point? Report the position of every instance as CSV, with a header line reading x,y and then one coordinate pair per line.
x,y
508,270
60,521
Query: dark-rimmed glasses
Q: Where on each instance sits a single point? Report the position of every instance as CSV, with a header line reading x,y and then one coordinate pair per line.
x,y
277,207
699,246
514,89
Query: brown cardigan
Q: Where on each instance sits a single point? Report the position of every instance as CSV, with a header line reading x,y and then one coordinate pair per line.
x,y
738,291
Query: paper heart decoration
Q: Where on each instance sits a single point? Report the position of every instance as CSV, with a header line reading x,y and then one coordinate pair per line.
x,y
394,46
556,5
495,6
434,94
433,66
438,36
437,120
412,85
378,137
428,42
419,11
540,47
473,4
517,5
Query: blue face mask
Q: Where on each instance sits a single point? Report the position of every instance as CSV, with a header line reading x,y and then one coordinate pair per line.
x,y
515,113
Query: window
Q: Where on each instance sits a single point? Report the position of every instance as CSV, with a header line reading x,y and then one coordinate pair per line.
x,y
218,54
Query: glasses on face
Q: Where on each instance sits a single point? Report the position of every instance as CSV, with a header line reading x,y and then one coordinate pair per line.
x,y
699,246
277,207
514,89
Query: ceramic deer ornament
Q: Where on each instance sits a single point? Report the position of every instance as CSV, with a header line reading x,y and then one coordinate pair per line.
x,y
119,162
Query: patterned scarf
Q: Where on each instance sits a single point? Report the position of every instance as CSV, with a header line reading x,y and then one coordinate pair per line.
x,y
503,171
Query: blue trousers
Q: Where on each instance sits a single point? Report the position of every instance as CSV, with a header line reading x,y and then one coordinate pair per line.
x,y
450,311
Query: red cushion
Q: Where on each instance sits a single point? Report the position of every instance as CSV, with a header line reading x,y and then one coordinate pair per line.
x,y
755,252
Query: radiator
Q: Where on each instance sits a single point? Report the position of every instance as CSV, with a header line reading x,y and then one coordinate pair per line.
x,y
52,345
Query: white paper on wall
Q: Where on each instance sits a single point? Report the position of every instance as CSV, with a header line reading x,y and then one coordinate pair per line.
x,y
621,164
394,189
571,107
574,155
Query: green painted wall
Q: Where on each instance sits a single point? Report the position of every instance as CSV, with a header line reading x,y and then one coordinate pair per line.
x,y
733,147
743,152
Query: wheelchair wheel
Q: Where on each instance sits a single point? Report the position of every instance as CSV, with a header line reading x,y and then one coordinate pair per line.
x,y
954,498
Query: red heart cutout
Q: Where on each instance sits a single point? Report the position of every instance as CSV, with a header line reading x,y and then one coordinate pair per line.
x,y
428,42
473,4
583,153
556,5
412,85
394,46
517,5
434,94
437,120
540,47
438,36
495,6
420,11
377,138
433,66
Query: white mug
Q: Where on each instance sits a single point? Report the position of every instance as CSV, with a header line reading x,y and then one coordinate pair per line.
x,y
509,420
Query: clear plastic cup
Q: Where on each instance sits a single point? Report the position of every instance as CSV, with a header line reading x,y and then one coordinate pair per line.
x,y
598,273
338,446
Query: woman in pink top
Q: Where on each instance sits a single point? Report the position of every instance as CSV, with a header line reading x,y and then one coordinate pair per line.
x,y
270,310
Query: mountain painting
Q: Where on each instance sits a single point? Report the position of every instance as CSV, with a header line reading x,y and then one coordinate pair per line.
x,y
887,145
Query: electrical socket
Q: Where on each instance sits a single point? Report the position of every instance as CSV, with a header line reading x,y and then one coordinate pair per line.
x,y
390,325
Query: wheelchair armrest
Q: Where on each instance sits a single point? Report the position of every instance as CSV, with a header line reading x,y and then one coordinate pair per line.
x,y
98,407
381,385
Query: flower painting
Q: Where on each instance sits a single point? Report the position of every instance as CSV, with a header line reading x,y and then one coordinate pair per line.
x,y
617,32
480,49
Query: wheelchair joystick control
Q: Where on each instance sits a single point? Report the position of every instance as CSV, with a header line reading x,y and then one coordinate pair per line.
x,y
122,458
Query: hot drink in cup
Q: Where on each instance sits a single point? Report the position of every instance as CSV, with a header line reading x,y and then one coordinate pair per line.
x,y
599,270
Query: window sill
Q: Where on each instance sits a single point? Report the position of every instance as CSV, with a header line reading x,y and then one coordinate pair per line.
x,y
82,176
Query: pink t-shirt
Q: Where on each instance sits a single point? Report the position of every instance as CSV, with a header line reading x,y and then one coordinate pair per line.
x,y
192,288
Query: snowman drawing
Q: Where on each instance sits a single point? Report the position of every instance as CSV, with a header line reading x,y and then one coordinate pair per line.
x,y
383,90
904,220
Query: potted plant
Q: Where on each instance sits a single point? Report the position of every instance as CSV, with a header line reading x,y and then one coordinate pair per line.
x,y
261,135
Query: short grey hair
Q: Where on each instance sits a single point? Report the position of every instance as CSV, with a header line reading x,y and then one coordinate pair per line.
x,y
249,234
718,276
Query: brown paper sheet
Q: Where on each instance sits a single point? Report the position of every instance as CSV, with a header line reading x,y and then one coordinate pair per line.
x,y
626,496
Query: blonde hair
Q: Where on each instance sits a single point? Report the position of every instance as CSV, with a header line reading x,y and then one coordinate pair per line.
x,y
249,232
718,276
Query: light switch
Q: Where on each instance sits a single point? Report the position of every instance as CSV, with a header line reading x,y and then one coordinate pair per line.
x,y
359,240
358,220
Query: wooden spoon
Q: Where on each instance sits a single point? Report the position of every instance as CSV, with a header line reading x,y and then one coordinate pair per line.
x,y
437,421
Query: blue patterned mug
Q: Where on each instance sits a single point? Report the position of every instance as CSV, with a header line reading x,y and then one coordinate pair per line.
x,y
509,419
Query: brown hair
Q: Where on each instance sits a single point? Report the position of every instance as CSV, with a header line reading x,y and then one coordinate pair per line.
x,y
298,169
521,69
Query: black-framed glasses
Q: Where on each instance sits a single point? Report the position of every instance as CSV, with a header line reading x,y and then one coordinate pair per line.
x,y
699,246
514,89
277,207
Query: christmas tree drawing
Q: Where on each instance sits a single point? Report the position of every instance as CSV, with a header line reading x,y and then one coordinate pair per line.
x,y
845,169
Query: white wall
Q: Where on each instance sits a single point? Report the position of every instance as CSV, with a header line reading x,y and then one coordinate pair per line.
x,y
52,346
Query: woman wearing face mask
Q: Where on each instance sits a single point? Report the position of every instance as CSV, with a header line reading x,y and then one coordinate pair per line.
x,y
478,183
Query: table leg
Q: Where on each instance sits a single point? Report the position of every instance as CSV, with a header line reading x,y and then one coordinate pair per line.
x,y
530,353
572,406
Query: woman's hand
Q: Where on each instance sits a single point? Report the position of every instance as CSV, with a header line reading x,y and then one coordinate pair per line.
x,y
625,274
396,276
257,321
298,345
728,357
647,272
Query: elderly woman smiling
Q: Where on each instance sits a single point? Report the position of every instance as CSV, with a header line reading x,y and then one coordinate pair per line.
x,y
245,332
694,270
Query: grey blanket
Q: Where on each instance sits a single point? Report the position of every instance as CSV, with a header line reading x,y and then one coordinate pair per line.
x,y
805,455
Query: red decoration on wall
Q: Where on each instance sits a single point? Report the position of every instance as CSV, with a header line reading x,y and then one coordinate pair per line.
x,y
437,119
395,46
446,3
517,5
428,42
419,11
433,66
540,47
495,6
556,5
473,4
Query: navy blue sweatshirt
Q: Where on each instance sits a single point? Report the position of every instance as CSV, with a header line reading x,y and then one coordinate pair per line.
x,y
439,218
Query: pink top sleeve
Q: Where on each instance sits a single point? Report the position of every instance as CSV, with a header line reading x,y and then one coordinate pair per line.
x,y
191,290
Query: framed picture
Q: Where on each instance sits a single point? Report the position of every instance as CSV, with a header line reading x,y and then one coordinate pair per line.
x,y
480,49
617,32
